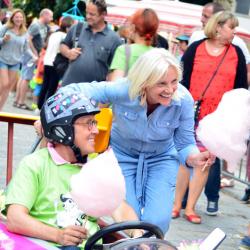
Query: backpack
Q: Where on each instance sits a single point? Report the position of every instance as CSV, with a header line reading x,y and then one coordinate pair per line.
x,y
61,62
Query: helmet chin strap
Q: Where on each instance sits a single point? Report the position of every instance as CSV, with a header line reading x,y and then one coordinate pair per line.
x,y
78,155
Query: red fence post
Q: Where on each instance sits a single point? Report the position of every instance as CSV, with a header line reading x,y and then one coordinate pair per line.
x,y
10,151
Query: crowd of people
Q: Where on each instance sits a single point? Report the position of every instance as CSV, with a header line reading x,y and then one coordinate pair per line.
x,y
152,94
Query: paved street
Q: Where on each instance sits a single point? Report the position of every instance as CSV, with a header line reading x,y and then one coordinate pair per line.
x,y
233,217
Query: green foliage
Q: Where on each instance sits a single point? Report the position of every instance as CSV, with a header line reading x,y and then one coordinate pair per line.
x,y
61,6
32,7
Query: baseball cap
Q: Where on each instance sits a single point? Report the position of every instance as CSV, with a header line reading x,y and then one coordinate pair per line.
x,y
182,38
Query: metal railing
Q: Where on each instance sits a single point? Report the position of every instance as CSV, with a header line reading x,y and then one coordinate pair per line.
x,y
12,119
241,173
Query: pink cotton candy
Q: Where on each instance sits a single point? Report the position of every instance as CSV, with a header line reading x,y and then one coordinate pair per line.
x,y
99,188
225,131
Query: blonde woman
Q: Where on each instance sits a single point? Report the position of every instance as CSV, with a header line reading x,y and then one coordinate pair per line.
x,y
152,131
13,44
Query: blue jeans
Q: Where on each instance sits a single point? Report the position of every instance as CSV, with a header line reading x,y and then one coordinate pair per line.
x,y
212,187
14,67
150,184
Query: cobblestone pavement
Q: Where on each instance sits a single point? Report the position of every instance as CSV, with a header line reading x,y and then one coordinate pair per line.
x,y
233,217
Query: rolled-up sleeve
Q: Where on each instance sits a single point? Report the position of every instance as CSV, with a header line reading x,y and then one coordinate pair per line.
x,y
184,135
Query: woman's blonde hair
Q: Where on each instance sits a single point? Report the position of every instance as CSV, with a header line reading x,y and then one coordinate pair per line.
x,y
10,23
148,70
219,19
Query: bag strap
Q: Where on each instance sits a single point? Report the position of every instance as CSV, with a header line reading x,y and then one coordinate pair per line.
x,y
214,74
47,32
127,54
77,34
5,29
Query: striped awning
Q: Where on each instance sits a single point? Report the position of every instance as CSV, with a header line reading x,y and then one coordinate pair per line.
x,y
175,17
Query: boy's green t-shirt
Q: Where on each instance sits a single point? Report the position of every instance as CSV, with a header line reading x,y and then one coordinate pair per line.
x,y
43,187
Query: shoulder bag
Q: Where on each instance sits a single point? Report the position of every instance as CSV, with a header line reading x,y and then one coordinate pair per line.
x,y
197,104
127,54
61,62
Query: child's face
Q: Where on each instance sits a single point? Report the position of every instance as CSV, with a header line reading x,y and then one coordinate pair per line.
x,y
183,46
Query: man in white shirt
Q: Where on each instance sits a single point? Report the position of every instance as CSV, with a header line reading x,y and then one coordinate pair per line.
x,y
208,10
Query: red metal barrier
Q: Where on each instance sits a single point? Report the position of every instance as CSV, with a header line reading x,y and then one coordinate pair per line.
x,y
11,119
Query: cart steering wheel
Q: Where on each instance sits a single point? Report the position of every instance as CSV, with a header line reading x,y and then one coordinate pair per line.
x,y
151,229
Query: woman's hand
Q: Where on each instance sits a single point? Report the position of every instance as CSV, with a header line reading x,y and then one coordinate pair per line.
x,y
72,235
39,132
34,58
6,38
38,128
136,233
201,160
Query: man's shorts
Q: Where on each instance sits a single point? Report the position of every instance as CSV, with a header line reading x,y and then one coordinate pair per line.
x,y
14,67
28,67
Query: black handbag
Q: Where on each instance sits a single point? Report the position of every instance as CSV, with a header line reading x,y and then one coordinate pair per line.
x,y
61,62
197,103
197,109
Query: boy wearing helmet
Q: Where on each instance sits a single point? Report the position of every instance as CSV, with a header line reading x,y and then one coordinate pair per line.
x,y
37,196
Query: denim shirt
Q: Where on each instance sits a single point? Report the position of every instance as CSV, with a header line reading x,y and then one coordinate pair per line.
x,y
166,129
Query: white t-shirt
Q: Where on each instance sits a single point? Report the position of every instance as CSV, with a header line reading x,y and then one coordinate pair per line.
x,y
199,34
54,42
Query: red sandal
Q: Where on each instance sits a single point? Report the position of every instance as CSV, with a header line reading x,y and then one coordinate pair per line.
x,y
175,214
193,218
